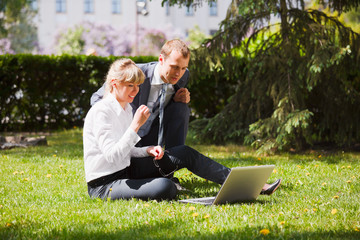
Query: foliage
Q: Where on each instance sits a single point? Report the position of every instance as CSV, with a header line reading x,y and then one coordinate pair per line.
x,y
44,196
17,30
305,67
51,92
196,37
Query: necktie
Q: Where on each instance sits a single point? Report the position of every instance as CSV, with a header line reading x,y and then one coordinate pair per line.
x,y
161,114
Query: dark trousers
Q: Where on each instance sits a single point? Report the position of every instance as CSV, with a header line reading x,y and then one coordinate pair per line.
x,y
143,180
176,123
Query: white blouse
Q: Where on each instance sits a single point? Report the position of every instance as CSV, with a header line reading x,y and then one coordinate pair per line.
x,y
109,142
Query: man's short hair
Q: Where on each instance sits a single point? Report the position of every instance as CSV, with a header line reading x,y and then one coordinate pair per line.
x,y
175,45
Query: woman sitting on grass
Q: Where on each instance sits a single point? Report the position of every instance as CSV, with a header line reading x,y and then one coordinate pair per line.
x,y
114,167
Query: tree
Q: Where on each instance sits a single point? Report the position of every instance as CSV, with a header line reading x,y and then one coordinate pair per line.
x,y
17,30
302,81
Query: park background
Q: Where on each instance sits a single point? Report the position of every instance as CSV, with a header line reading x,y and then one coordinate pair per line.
x,y
287,88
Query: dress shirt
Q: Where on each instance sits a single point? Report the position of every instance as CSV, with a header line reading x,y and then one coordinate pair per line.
x,y
109,142
156,85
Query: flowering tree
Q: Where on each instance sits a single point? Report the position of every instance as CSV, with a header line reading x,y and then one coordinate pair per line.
x,y
106,40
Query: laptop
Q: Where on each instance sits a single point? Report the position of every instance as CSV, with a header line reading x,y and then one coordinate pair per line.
x,y
241,185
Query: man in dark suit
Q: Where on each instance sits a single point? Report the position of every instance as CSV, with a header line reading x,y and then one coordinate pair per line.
x,y
171,70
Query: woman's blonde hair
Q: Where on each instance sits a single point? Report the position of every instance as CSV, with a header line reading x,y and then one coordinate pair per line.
x,y
123,70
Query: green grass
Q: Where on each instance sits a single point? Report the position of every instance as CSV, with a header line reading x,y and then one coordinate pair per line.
x,y
44,196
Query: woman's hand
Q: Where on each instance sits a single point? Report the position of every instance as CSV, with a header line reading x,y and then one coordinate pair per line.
x,y
140,117
155,151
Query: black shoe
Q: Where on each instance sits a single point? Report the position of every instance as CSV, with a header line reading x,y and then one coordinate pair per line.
x,y
177,184
270,190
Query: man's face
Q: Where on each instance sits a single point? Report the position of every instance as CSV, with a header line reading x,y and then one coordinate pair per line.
x,y
173,67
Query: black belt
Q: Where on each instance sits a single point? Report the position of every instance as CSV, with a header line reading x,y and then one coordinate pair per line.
x,y
108,178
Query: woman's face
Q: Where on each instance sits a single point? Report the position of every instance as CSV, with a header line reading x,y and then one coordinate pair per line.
x,y
125,92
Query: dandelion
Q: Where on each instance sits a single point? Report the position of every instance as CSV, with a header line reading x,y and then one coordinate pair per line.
x,y
48,175
15,173
336,197
282,222
61,166
316,165
348,166
342,167
54,155
259,159
192,208
324,183
195,214
353,177
167,211
110,189
319,156
298,166
357,229
207,216
22,172
8,224
146,205
274,171
314,209
349,181
307,174
1,206
305,210
264,231
333,211
26,179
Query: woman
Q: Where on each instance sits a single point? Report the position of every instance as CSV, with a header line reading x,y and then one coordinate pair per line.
x,y
114,167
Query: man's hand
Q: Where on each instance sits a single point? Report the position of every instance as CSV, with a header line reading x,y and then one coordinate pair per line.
x,y
140,117
155,151
182,95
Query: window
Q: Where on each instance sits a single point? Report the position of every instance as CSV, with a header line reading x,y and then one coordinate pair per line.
x,y
213,10
89,6
60,6
212,32
116,6
189,10
34,5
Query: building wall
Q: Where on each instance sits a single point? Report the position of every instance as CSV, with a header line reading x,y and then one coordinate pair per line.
x,y
48,20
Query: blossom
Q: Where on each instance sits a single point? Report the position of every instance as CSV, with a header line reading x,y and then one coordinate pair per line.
x,y
146,205
333,211
207,216
195,214
15,173
348,181
264,231
307,174
324,183
48,175
282,222
192,208
336,197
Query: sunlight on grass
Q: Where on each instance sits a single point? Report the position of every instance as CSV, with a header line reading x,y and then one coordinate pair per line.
x,y
44,196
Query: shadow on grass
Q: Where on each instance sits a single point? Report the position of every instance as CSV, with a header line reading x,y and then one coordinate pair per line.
x,y
168,229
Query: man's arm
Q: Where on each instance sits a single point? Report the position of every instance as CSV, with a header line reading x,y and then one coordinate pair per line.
x,y
97,96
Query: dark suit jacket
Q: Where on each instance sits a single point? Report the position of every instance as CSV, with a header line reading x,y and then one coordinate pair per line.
x,y
143,95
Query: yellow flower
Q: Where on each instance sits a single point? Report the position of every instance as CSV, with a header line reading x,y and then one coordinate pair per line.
x,y
324,183
348,166
259,159
353,177
274,171
316,165
8,224
15,173
192,208
110,189
333,211
336,197
167,211
146,205
26,179
307,174
282,222
61,166
314,209
54,155
348,181
48,175
195,214
319,156
305,210
342,167
298,166
207,216
357,229
264,231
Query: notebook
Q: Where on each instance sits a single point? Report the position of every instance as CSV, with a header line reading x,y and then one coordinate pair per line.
x,y
241,185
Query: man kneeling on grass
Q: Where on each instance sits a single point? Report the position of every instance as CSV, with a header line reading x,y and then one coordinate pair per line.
x,y
114,167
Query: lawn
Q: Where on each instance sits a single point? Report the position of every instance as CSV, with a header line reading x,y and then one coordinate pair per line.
x,y
44,196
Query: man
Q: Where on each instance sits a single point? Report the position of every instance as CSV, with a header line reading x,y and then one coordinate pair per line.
x,y
169,73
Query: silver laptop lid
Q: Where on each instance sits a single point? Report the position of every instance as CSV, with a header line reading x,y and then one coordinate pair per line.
x,y
243,184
